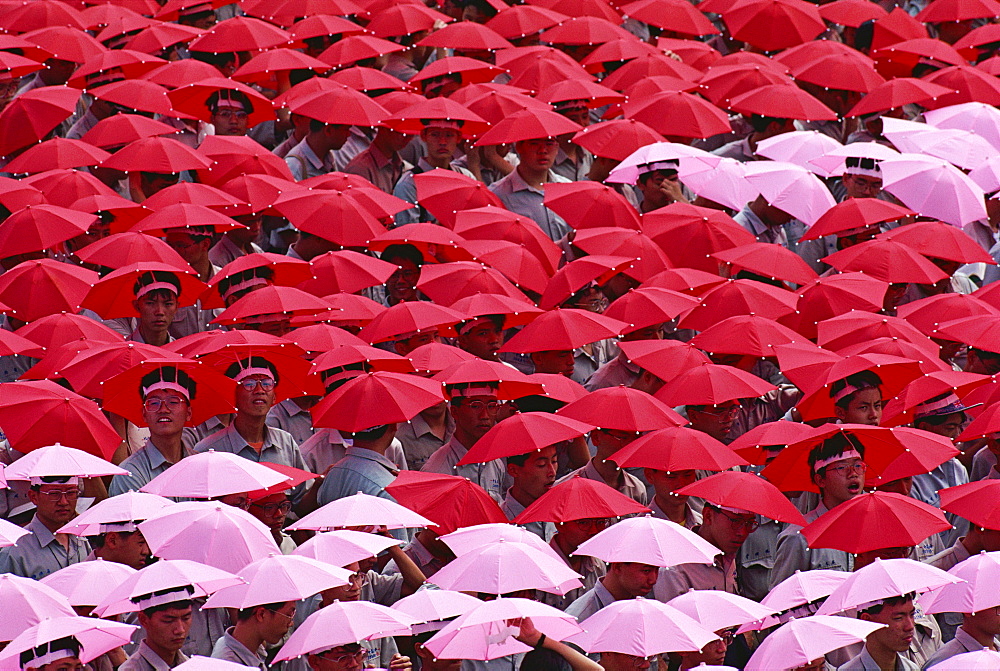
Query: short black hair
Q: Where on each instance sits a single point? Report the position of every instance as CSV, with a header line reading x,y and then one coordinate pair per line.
x,y
225,283
862,380
169,374
402,251
251,362
178,605
52,480
831,447
759,122
244,614
236,96
890,601
152,276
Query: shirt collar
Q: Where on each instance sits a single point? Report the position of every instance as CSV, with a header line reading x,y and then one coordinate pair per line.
x,y
517,183
156,458
42,533
371,455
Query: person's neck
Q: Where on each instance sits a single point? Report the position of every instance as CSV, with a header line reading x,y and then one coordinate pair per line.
x,y
759,208
608,469
533,178
203,267
383,145
53,526
704,532
158,338
317,144
379,446
830,502
521,496
615,588
171,447
250,428
465,438
983,638
247,634
437,422
168,656
675,508
883,656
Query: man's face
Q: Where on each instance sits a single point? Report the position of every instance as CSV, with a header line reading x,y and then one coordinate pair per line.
x,y
989,620
183,243
538,473
349,592
862,186
255,401
475,415
950,428
651,185
441,143
575,532
230,121
129,549
727,530
402,284
156,310
167,629
55,504
580,116
667,482
428,662
717,421
482,340
277,623
342,658
637,579
556,361
537,155
619,661
898,632
271,510
166,412
654,332
244,236
842,480
865,407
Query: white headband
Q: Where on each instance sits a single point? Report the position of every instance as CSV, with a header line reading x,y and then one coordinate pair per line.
x,y
67,480
928,407
474,391
245,284
877,174
247,372
48,658
735,511
849,454
117,527
153,286
851,389
182,593
163,384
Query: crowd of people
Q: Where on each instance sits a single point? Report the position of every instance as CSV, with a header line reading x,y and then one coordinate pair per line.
x,y
571,334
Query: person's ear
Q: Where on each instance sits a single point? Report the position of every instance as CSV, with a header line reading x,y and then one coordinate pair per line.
x,y
839,412
135,305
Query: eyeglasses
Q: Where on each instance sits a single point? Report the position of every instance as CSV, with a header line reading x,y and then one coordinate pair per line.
x,y
231,114
265,383
731,411
727,635
291,618
858,467
738,523
271,508
154,404
492,407
359,579
57,495
345,657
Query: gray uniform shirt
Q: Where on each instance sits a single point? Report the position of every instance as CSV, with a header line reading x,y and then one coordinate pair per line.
x,y
38,554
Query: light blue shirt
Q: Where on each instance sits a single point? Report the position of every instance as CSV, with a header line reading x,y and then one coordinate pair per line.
x,y
142,466
517,196
39,553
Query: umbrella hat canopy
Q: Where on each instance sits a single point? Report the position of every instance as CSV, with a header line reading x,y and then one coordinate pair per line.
x,y
507,566
277,579
95,636
622,409
59,460
388,398
523,433
874,521
127,507
341,623
576,499
26,603
362,510
211,475
450,501
653,628
677,449
745,491
649,540
805,639
882,579
198,580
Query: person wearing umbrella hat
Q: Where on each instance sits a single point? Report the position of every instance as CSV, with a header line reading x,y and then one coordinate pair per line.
x,y
45,550
481,336
569,535
724,527
381,163
313,156
197,15
475,409
122,543
858,398
602,469
236,286
838,469
237,242
364,468
765,221
156,295
521,191
572,161
165,618
883,647
624,580
532,474
230,112
249,435
658,185
442,137
402,284
166,395
193,245
62,654
256,626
